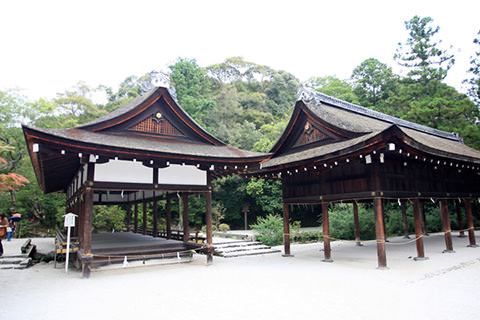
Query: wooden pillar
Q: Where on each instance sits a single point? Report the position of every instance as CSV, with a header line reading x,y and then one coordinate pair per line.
x,y
424,218
168,210
185,217
418,230
208,221
155,215
326,233
129,217
458,207
380,232
135,218
471,230
356,223
88,220
446,226
286,230
403,204
144,222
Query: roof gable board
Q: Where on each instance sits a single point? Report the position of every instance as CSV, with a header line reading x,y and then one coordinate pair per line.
x,y
306,130
156,115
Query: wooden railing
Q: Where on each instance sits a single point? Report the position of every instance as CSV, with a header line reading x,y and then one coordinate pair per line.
x,y
174,235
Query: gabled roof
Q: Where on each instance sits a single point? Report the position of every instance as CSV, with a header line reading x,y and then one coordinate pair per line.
x,y
323,127
153,129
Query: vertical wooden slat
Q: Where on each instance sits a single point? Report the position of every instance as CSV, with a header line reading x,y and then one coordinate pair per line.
x,y
380,232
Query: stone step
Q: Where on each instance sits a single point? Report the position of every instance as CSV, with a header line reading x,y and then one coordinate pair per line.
x,y
15,263
236,244
243,248
250,253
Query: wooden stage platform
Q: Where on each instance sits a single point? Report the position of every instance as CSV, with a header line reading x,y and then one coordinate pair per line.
x,y
112,248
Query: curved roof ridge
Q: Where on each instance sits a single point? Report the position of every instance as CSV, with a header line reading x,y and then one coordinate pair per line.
x,y
317,98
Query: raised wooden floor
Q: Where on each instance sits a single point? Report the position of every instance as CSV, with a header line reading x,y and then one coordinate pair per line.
x,y
112,248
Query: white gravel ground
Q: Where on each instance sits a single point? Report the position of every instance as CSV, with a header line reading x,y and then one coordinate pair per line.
x,y
260,287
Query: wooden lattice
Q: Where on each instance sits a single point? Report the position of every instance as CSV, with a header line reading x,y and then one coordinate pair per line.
x,y
155,125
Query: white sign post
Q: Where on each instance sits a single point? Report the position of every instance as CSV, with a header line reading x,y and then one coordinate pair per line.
x,y
69,223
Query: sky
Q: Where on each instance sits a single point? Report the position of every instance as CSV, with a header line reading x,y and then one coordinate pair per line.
x,y
49,46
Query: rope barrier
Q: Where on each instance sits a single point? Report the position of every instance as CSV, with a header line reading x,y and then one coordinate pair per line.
x,y
162,255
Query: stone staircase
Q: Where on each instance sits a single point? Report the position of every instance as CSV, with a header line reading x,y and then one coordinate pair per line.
x,y
241,248
20,260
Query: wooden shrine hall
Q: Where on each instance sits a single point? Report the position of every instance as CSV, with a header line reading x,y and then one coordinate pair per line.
x,y
147,150
335,151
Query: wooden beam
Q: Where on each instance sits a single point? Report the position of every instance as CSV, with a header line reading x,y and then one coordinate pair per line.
x,y
403,204
326,233
155,215
88,221
185,217
129,217
424,218
471,230
418,231
458,207
144,222
168,210
356,223
208,220
135,220
286,230
380,232
447,230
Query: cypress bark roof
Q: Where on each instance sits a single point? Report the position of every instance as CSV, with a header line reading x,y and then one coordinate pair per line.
x,y
323,127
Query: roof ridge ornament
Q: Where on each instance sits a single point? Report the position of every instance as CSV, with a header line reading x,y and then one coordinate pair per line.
x,y
162,79
307,93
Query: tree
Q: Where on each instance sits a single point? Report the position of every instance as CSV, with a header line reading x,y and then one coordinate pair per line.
x,y
332,86
373,83
421,55
193,88
474,70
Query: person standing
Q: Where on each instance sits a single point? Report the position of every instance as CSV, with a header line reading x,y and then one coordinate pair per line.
x,y
3,230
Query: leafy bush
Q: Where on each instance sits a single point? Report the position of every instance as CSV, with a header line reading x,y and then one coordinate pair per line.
x,y
270,229
223,227
342,225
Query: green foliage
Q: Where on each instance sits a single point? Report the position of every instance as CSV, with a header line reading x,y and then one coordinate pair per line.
x,y
374,82
107,218
335,87
474,70
270,229
267,194
421,55
342,224
223,227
